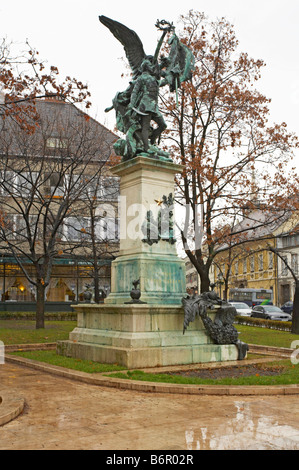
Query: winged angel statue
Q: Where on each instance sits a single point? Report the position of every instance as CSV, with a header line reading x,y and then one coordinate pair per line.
x,y
137,107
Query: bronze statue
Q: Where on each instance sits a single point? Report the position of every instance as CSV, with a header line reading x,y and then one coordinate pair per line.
x,y
221,330
137,106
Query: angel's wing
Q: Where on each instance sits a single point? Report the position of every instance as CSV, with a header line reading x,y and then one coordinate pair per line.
x,y
191,309
129,39
226,315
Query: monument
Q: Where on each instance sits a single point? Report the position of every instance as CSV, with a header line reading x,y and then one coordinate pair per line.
x,y
143,321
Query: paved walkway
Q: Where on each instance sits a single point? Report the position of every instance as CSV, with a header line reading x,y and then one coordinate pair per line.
x,y
65,414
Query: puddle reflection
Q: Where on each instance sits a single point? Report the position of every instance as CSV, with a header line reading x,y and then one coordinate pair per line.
x,y
244,432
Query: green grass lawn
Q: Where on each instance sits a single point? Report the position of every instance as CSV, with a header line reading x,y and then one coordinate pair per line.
x,y
289,374
50,357
24,332
265,336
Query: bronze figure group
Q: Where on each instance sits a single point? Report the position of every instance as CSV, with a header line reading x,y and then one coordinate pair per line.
x,y
137,110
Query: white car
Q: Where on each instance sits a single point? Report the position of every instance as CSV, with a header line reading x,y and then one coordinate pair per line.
x,y
242,309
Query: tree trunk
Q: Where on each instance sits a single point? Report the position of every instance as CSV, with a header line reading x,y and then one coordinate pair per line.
x,y
40,306
96,286
204,282
225,291
295,320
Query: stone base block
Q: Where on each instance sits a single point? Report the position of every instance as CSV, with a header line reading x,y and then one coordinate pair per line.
x,y
136,358
141,336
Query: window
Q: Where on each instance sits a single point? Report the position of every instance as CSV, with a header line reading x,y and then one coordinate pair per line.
x,y
284,269
25,183
104,188
56,146
290,240
107,229
236,268
94,188
54,185
7,183
7,226
110,188
53,222
261,261
77,228
245,266
270,260
263,296
78,185
18,227
294,262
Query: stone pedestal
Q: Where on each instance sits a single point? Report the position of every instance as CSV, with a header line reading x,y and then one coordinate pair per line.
x,y
139,336
149,334
143,183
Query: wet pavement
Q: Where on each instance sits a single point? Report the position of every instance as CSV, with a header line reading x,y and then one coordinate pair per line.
x,y
64,414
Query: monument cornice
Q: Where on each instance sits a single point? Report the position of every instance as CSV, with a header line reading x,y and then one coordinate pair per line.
x,y
146,163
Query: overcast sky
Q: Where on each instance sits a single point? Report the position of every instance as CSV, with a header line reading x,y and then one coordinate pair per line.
x,y
68,34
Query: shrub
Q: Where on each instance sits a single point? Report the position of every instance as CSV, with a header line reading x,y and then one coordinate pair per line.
x,y
272,324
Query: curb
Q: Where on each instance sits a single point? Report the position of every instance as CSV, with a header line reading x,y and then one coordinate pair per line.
x,y
10,406
270,350
30,347
123,384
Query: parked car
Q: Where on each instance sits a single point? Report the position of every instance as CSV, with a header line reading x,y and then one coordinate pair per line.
x,y
270,312
242,309
287,307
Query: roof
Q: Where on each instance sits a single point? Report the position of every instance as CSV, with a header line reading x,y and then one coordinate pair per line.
x,y
256,225
58,118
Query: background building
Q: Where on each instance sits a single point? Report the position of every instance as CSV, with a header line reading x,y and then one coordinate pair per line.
x,y
288,248
252,265
56,197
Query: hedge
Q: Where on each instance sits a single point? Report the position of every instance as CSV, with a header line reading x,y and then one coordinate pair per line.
x,y
272,324
50,316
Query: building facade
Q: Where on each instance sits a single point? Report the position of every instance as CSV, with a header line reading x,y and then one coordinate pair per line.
x,y
58,205
253,265
192,277
288,248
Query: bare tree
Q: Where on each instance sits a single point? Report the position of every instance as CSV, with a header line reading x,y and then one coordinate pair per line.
x,y
256,233
295,316
94,236
220,132
25,78
43,175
